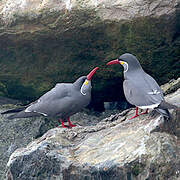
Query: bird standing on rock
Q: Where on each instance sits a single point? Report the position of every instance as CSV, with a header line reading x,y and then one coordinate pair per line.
x,y
64,100
141,89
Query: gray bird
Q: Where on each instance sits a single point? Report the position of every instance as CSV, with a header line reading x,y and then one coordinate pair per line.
x,y
141,89
64,100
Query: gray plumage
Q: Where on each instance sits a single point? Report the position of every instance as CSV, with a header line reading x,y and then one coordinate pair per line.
x,y
64,100
141,89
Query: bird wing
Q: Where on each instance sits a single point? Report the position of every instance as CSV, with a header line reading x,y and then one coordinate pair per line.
x,y
141,96
51,102
153,85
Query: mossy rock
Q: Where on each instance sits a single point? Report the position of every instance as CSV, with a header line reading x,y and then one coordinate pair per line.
x,y
137,169
31,64
3,90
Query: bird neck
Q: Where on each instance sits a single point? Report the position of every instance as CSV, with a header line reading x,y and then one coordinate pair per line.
x,y
78,83
133,73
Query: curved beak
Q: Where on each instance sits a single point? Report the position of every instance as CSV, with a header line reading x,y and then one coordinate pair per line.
x,y
89,76
113,62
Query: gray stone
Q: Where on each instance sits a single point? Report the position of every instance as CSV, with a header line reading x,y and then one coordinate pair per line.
x,y
4,100
18,133
115,148
171,86
11,10
116,105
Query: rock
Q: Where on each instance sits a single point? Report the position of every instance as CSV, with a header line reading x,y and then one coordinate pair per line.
x,y
44,42
117,105
3,90
146,147
128,9
110,105
171,86
18,133
4,100
174,98
111,10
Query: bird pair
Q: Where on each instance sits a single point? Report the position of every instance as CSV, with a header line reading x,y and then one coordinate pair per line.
x,y
66,99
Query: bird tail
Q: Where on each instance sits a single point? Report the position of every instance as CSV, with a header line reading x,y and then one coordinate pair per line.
x,y
163,109
20,113
23,114
163,112
16,110
166,105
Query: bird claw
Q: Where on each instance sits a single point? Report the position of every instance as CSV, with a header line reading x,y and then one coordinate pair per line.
x,y
67,126
70,124
63,126
146,112
134,116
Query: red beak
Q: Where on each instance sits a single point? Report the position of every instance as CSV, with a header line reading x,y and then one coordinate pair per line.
x,y
113,62
89,76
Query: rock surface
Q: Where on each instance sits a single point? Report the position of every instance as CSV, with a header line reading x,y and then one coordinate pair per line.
x,y
146,147
171,86
15,134
4,100
105,9
20,132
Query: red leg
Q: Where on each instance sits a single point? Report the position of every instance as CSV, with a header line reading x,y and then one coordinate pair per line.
x,y
146,112
63,126
135,114
71,125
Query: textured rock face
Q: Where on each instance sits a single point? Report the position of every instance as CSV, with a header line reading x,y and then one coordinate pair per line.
x,y
104,155
128,9
111,10
171,86
44,42
20,132
115,148
16,134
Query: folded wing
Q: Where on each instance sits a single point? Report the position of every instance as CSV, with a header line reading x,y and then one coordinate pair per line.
x,y
145,95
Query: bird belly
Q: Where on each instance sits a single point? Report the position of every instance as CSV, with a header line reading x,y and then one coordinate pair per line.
x,y
152,106
72,108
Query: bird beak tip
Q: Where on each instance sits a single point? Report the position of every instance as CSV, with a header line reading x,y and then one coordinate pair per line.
x,y
89,76
113,62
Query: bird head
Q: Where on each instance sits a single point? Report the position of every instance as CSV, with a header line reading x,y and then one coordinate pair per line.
x,y
128,61
84,82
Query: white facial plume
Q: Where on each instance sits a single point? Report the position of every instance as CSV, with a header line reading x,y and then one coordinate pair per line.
x,y
86,87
